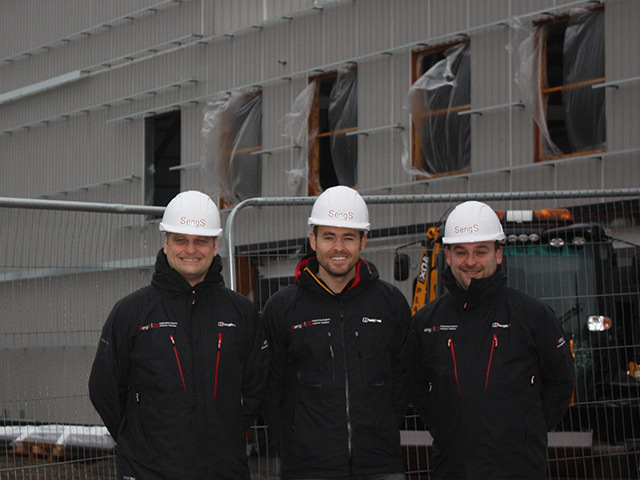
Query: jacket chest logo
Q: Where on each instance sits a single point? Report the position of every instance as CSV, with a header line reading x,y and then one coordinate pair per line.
x,y
222,324
311,323
371,320
151,325
500,325
441,328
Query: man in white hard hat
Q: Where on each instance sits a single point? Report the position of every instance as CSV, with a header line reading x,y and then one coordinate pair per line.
x,y
494,372
181,364
337,388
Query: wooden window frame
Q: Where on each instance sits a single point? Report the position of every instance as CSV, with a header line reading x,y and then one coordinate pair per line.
x,y
417,157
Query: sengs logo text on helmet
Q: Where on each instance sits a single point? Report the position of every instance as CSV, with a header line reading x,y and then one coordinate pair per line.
x,y
466,229
192,222
340,215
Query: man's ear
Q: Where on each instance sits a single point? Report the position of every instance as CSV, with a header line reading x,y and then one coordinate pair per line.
x,y
363,242
447,254
312,241
164,245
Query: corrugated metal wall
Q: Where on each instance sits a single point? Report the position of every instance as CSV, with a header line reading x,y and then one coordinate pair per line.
x,y
255,42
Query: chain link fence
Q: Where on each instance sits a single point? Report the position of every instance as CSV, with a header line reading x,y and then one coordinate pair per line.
x,y
63,265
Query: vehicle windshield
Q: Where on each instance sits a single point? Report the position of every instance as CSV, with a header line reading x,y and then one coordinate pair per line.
x,y
562,277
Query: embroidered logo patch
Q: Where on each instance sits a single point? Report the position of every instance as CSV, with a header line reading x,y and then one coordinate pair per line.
x,y
311,323
443,328
500,325
371,320
222,324
158,325
560,342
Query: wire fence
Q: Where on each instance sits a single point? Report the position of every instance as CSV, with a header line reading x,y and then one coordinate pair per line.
x,y
63,266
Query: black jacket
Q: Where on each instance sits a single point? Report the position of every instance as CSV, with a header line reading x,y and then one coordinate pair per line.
x,y
177,377
337,389
495,373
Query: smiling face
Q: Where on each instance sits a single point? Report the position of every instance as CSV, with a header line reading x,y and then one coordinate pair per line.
x,y
190,255
473,260
338,251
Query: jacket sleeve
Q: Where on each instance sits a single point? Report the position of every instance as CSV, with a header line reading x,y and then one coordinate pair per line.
x,y
556,368
255,371
108,381
274,400
401,373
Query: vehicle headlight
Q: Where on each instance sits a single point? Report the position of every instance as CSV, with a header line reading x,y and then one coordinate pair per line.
x,y
598,323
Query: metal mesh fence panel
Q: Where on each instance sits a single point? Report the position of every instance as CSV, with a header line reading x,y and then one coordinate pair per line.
x,y
61,271
578,252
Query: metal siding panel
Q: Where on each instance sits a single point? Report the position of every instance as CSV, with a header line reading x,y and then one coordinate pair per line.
x,y
487,11
374,26
247,57
450,16
581,174
490,82
621,171
277,48
341,32
307,39
411,21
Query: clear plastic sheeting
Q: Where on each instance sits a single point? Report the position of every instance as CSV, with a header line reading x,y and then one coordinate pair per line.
x,y
343,115
296,128
337,114
231,130
576,121
434,100
583,60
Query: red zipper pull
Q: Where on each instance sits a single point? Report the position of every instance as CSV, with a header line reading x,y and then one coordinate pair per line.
x,y
215,380
455,363
175,351
494,345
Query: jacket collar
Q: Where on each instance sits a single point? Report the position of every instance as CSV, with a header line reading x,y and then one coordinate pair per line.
x,y
307,275
479,290
167,278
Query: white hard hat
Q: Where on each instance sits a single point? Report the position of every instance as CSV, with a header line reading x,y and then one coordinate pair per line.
x,y
192,213
472,222
340,207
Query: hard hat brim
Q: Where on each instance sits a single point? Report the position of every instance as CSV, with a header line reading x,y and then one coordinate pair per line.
x,y
338,223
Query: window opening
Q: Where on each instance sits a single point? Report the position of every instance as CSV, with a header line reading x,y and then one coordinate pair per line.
x,y
560,61
232,130
162,145
441,138
332,154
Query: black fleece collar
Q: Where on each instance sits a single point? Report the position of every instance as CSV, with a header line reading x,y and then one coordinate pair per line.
x,y
167,278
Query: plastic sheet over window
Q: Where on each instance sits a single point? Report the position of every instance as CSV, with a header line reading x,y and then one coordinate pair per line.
x,y
296,129
232,129
434,100
343,115
583,55
336,113
576,121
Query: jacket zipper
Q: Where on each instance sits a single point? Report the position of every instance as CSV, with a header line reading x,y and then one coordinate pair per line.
x,y
175,350
215,381
333,372
455,363
346,392
359,354
494,344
